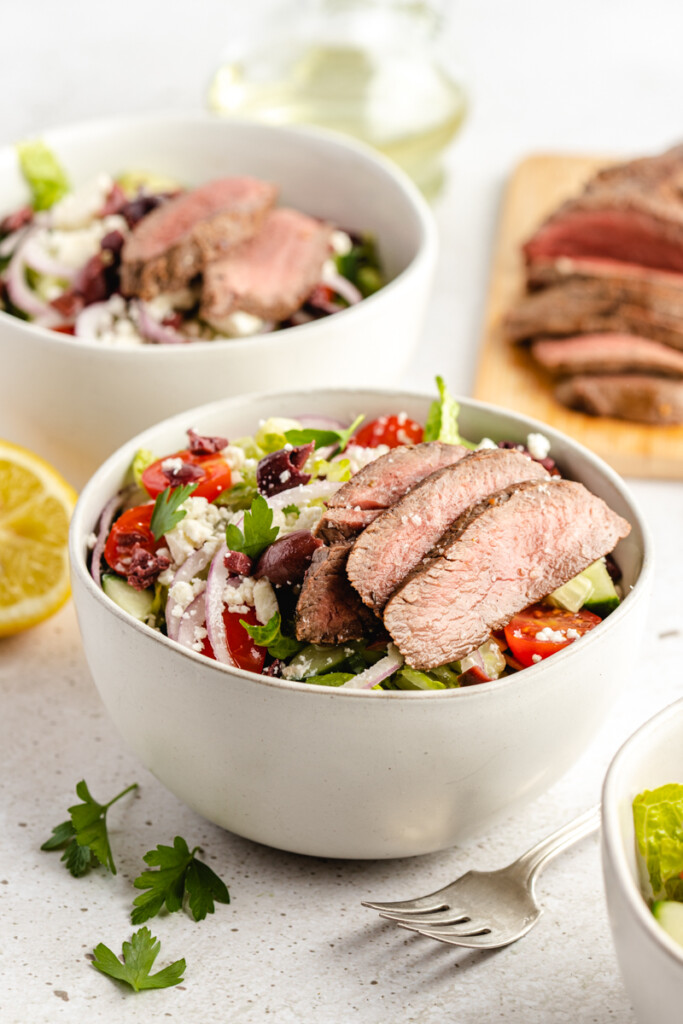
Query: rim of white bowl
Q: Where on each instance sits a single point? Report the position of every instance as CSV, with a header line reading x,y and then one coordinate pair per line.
x,y
425,252
119,460
612,837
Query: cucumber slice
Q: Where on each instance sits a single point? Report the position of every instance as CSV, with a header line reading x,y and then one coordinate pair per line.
x,y
604,598
572,595
137,603
669,913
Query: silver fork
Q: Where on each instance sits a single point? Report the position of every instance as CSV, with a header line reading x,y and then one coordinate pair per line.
x,y
488,909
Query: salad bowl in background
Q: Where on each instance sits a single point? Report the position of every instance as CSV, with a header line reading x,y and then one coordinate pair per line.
x,y
651,961
74,401
349,773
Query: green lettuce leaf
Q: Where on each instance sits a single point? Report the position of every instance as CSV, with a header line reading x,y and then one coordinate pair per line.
x,y
658,821
442,419
43,173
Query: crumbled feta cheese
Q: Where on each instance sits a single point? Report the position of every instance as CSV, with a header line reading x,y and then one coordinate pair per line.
x,y
236,325
341,243
573,634
553,636
91,541
203,522
163,305
74,248
359,456
183,594
486,442
235,457
285,475
240,598
172,465
538,445
79,207
265,601
199,636
536,658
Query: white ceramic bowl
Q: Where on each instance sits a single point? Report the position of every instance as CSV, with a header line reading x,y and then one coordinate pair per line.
x,y
651,963
344,773
74,402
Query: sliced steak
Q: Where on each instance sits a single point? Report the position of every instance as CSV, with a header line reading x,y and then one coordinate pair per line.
x,y
171,245
271,274
637,397
329,611
607,353
544,272
396,542
342,524
597,306
631,212
511,550
388,478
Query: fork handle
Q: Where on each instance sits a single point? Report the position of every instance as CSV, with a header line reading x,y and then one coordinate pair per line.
x,y
534,860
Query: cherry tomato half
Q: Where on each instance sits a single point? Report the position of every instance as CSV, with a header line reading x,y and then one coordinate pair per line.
x,y
541,630
216,476
132,527
390,430
243,651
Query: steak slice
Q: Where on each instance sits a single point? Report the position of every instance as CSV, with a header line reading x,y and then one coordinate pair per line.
x,y
341,524
271,274
171,245
597,306
631,212
329,611
396,542
510,550
636,397
388,478
543,272
607,353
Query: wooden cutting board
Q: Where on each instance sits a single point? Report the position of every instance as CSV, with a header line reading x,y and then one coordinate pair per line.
x,y
505,373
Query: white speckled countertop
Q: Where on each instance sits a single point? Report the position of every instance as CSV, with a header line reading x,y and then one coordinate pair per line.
x,y
295,945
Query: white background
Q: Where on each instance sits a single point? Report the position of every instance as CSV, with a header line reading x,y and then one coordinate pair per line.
x,y
295,946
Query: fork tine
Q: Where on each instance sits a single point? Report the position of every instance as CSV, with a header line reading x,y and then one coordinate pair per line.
x,y
459,929
436,918
422,905
480,941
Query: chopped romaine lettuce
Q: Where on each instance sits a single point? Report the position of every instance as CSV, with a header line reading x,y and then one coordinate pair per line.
x,y
442,419
43,173
658,821
134,182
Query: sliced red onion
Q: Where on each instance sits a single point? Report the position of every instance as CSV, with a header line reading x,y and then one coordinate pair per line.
x,y
38,259
103,527
151,329
10,242
190,568
89,319
193,616
213,597
21,294
304,493
343,287
315,422
376,673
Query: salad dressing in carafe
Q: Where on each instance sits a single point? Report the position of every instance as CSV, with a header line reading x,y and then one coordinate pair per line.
x,y
369,68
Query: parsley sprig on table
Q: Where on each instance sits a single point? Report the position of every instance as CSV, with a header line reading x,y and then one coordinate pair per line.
x,y
179,874
138,959
167,512
323,438
84,837
257,531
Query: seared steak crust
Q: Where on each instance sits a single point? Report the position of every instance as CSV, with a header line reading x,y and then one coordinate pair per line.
x,y
395,543
342,524
636,397
505,553
329,611
172,244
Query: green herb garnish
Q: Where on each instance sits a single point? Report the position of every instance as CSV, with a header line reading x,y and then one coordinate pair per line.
x,y
179,874
272,637
257,531
138,959
167,512
84,837
323,438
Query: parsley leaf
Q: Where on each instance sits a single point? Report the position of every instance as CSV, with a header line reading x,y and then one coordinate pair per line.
x,y
257,531
84,838
167,512
442,419
291,510
323,438
179,873
271,636
138,959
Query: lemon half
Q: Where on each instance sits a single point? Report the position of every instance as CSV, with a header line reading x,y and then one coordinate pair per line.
x,y
35,508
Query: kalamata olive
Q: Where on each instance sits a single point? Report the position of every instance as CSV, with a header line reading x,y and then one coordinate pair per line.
x,y
282,469
238,563
200,444
287,559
